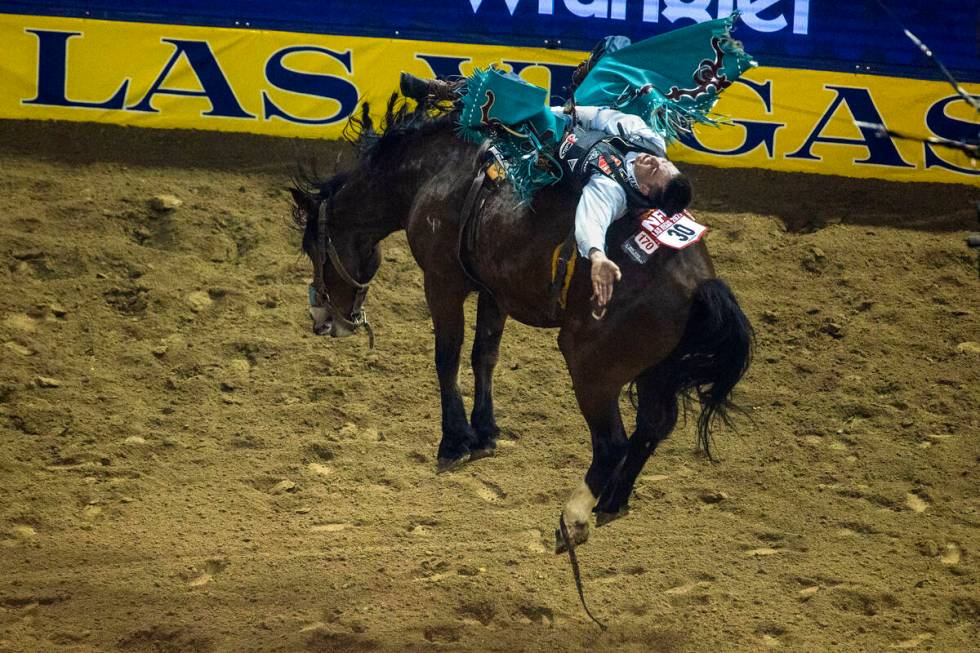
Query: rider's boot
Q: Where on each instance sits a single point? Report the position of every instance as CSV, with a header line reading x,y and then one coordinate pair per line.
x,y
436,90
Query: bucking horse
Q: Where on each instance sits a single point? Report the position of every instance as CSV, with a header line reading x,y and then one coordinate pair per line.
x,y
672,328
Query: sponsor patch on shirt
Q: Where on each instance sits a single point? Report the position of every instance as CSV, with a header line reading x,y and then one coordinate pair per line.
x,y
657,228
603,165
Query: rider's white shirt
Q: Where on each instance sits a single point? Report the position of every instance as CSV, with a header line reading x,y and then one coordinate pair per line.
x,y
603,200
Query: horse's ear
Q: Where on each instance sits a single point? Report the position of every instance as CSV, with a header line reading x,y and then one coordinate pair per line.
x,y
305,206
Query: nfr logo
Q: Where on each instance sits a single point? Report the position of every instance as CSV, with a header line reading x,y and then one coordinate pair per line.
x,y
52,77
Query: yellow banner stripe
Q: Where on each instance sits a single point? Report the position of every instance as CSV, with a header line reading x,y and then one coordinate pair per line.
x,y
303,85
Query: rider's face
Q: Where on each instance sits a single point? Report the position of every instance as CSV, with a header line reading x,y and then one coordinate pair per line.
x,y
652,172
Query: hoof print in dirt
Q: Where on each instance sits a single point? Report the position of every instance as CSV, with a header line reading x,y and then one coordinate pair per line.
x,y
165,203
128,301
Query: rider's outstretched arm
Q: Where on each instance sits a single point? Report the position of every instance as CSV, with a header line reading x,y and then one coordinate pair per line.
x,y
602,201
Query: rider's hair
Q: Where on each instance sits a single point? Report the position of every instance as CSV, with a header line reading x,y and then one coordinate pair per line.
x,y
677,195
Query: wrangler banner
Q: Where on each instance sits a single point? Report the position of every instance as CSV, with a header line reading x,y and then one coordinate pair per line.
x,y
306,85
851,36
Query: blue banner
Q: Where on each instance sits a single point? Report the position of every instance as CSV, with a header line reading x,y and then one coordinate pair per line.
x,y
854,36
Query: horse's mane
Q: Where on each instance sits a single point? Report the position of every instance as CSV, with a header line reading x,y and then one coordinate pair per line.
x,y
374,149
399,124
373,146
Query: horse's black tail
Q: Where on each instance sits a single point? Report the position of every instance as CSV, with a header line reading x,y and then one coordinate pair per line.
x,y
713,354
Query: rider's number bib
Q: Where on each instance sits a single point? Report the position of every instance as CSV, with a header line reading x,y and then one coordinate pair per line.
x,y
657,228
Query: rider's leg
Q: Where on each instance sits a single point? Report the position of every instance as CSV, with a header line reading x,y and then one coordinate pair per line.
x,y
428,89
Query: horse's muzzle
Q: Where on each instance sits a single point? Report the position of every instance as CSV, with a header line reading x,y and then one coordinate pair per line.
x,y
322,328
339,330
325,325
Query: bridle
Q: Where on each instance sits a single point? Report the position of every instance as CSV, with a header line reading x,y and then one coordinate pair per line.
x,y
320,298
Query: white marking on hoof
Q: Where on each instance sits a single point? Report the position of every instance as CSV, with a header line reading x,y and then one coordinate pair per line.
x,y
579,505
577,510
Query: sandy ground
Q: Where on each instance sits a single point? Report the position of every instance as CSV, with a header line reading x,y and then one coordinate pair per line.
x,y
185,468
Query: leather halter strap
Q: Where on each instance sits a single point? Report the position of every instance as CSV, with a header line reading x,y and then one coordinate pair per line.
x,y
326,250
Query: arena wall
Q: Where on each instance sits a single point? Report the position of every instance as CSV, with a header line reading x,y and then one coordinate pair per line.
x,y
144,64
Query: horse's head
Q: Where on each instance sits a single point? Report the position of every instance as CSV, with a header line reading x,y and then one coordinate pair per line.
x,y
344,260
345,217
661,181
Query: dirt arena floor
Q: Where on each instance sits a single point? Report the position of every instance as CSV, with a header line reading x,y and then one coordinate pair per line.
x,y
185,468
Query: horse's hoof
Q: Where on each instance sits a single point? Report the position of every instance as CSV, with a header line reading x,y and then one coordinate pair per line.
x,y
603,518
486,452
560,546
578,535
450,464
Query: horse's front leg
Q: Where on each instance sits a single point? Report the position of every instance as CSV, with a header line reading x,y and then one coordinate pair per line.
x,y
486,347
458,437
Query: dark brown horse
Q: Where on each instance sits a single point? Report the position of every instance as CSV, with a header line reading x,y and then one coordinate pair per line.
x,y
672,327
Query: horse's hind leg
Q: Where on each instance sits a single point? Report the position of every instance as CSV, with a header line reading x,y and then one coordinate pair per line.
x,y
599,403
486,347
656,416
446,307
